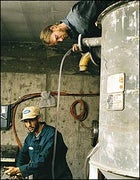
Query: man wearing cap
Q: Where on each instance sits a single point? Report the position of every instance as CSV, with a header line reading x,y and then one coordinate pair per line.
x,y
36,157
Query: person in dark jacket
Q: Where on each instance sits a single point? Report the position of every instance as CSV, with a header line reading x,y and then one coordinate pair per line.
x,y
37,157
80,20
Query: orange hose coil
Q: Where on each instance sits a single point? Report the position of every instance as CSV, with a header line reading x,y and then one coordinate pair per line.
x,y
83,115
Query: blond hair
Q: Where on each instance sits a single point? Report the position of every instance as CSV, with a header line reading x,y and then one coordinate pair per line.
x,y
45,35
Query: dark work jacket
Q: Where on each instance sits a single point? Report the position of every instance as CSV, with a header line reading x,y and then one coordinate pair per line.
x,y
82,17
35,157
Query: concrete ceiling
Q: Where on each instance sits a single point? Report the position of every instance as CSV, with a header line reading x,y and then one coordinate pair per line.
x,y
22,21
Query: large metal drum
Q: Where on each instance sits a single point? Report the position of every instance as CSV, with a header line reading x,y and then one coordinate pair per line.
x,y
118,152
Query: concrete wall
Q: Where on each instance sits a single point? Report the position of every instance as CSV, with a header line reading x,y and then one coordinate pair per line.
x,y
76,137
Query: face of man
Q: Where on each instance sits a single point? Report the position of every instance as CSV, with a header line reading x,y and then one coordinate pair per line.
x,y
57,35
32,125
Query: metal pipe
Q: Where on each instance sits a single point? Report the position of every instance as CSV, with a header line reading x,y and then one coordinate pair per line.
x,y
91,42
88,42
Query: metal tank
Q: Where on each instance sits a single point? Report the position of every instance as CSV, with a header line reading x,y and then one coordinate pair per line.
x,y
117,155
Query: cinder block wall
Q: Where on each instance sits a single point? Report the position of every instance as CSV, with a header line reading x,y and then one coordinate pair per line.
x,y
77,138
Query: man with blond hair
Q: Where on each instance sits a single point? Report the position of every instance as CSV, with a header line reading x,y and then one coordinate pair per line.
x,y
80,20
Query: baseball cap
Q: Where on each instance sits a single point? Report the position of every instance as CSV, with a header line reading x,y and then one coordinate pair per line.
x,y
30,112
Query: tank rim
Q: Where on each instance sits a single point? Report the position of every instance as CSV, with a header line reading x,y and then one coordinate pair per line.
x,y
112,8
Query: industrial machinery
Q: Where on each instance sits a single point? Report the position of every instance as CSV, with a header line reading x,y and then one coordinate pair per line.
x,y
117,152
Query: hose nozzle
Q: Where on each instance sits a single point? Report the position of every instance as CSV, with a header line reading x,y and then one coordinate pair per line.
x,y
84,61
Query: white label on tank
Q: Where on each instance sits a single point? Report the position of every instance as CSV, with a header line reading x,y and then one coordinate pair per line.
x,y
115,101
115,83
